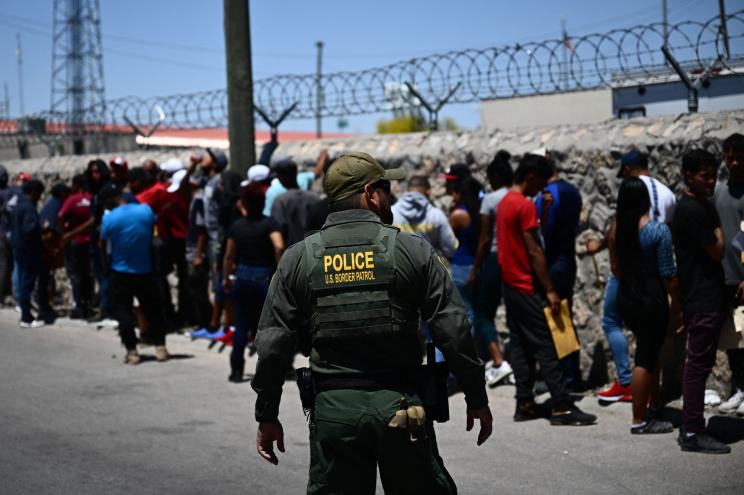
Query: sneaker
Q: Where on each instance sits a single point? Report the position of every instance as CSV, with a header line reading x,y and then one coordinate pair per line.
x,y
132,357
217,334
494,375
732,405
527,411
161,353
200,333
616,393
227,338
701,442
652,426
32,324
572,416
712,399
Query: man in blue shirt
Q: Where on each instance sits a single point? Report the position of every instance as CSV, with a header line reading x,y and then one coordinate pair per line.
x,y
559,208
127,229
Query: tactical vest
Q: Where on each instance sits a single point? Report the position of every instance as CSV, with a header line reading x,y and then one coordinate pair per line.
x,y
350,269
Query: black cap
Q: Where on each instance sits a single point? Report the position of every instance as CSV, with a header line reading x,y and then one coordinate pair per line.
x,y
32,185
632,159
219,157
108,192
285,167
458,171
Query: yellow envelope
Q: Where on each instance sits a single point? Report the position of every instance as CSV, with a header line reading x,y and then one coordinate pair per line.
x,y
562,329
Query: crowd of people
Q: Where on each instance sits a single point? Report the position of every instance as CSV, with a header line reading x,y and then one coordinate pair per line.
x,y
119,232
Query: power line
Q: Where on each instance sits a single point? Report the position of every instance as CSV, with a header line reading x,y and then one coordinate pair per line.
x,y
152,43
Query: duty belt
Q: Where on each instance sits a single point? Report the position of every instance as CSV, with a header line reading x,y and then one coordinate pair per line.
x,y
369,381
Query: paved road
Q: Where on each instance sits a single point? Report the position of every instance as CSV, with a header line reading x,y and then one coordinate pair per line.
x,y
75,420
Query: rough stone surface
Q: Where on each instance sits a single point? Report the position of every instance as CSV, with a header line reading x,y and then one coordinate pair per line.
x,y
586,155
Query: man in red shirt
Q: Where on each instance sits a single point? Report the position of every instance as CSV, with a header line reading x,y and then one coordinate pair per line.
x,y
528,289
74,217
170,203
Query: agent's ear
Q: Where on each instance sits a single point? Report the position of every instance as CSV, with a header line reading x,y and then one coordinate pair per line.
x,y
369,197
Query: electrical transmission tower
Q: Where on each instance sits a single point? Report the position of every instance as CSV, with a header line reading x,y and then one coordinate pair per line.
x,y
78,94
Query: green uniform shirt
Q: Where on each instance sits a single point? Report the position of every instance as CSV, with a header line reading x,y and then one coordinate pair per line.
x,y
420,281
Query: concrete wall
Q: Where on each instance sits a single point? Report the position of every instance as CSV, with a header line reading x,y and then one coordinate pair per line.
x,y
723,94
582,107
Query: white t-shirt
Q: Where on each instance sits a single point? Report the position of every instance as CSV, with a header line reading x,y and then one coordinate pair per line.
x,y
662,198
488,207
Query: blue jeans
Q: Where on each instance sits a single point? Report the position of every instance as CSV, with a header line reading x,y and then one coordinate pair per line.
x,y
27,272
249,292
613,329
460,274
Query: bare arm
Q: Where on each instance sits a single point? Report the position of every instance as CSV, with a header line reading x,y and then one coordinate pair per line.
x,y
184,188
459,219
80,229
321,162
716,249
610,239
228,263
484,244
201,245
675,306
547,203
278,241
540,267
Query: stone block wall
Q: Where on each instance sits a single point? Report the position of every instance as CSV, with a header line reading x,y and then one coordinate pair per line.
x,y
586,155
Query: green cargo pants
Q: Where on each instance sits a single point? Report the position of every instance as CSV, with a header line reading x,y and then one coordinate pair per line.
x,y
350,437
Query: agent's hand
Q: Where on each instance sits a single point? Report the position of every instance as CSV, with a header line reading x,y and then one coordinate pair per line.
x,y
267,434
554,301
483,414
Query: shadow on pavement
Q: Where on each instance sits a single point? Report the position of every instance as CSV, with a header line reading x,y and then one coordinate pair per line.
x,y
148,358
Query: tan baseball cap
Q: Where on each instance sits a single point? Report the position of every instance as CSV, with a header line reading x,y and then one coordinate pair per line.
x,y
349,173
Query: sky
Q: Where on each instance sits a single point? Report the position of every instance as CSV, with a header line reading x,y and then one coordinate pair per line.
x,y
163,47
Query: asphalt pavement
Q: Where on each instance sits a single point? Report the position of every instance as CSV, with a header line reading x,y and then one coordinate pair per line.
x,y
74,419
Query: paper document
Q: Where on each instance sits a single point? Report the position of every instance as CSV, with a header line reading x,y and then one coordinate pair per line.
x,y
562,329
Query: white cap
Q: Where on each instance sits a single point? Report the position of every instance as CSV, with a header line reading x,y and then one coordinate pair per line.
x,y
542,151
172,165
175,181
257,173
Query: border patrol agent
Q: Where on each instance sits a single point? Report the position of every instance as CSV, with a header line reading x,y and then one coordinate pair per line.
x,y
352,296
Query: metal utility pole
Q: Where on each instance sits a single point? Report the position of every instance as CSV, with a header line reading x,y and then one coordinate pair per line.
x,y
319,90
665,22
7,100
241,129
19,58
564,71
723,30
